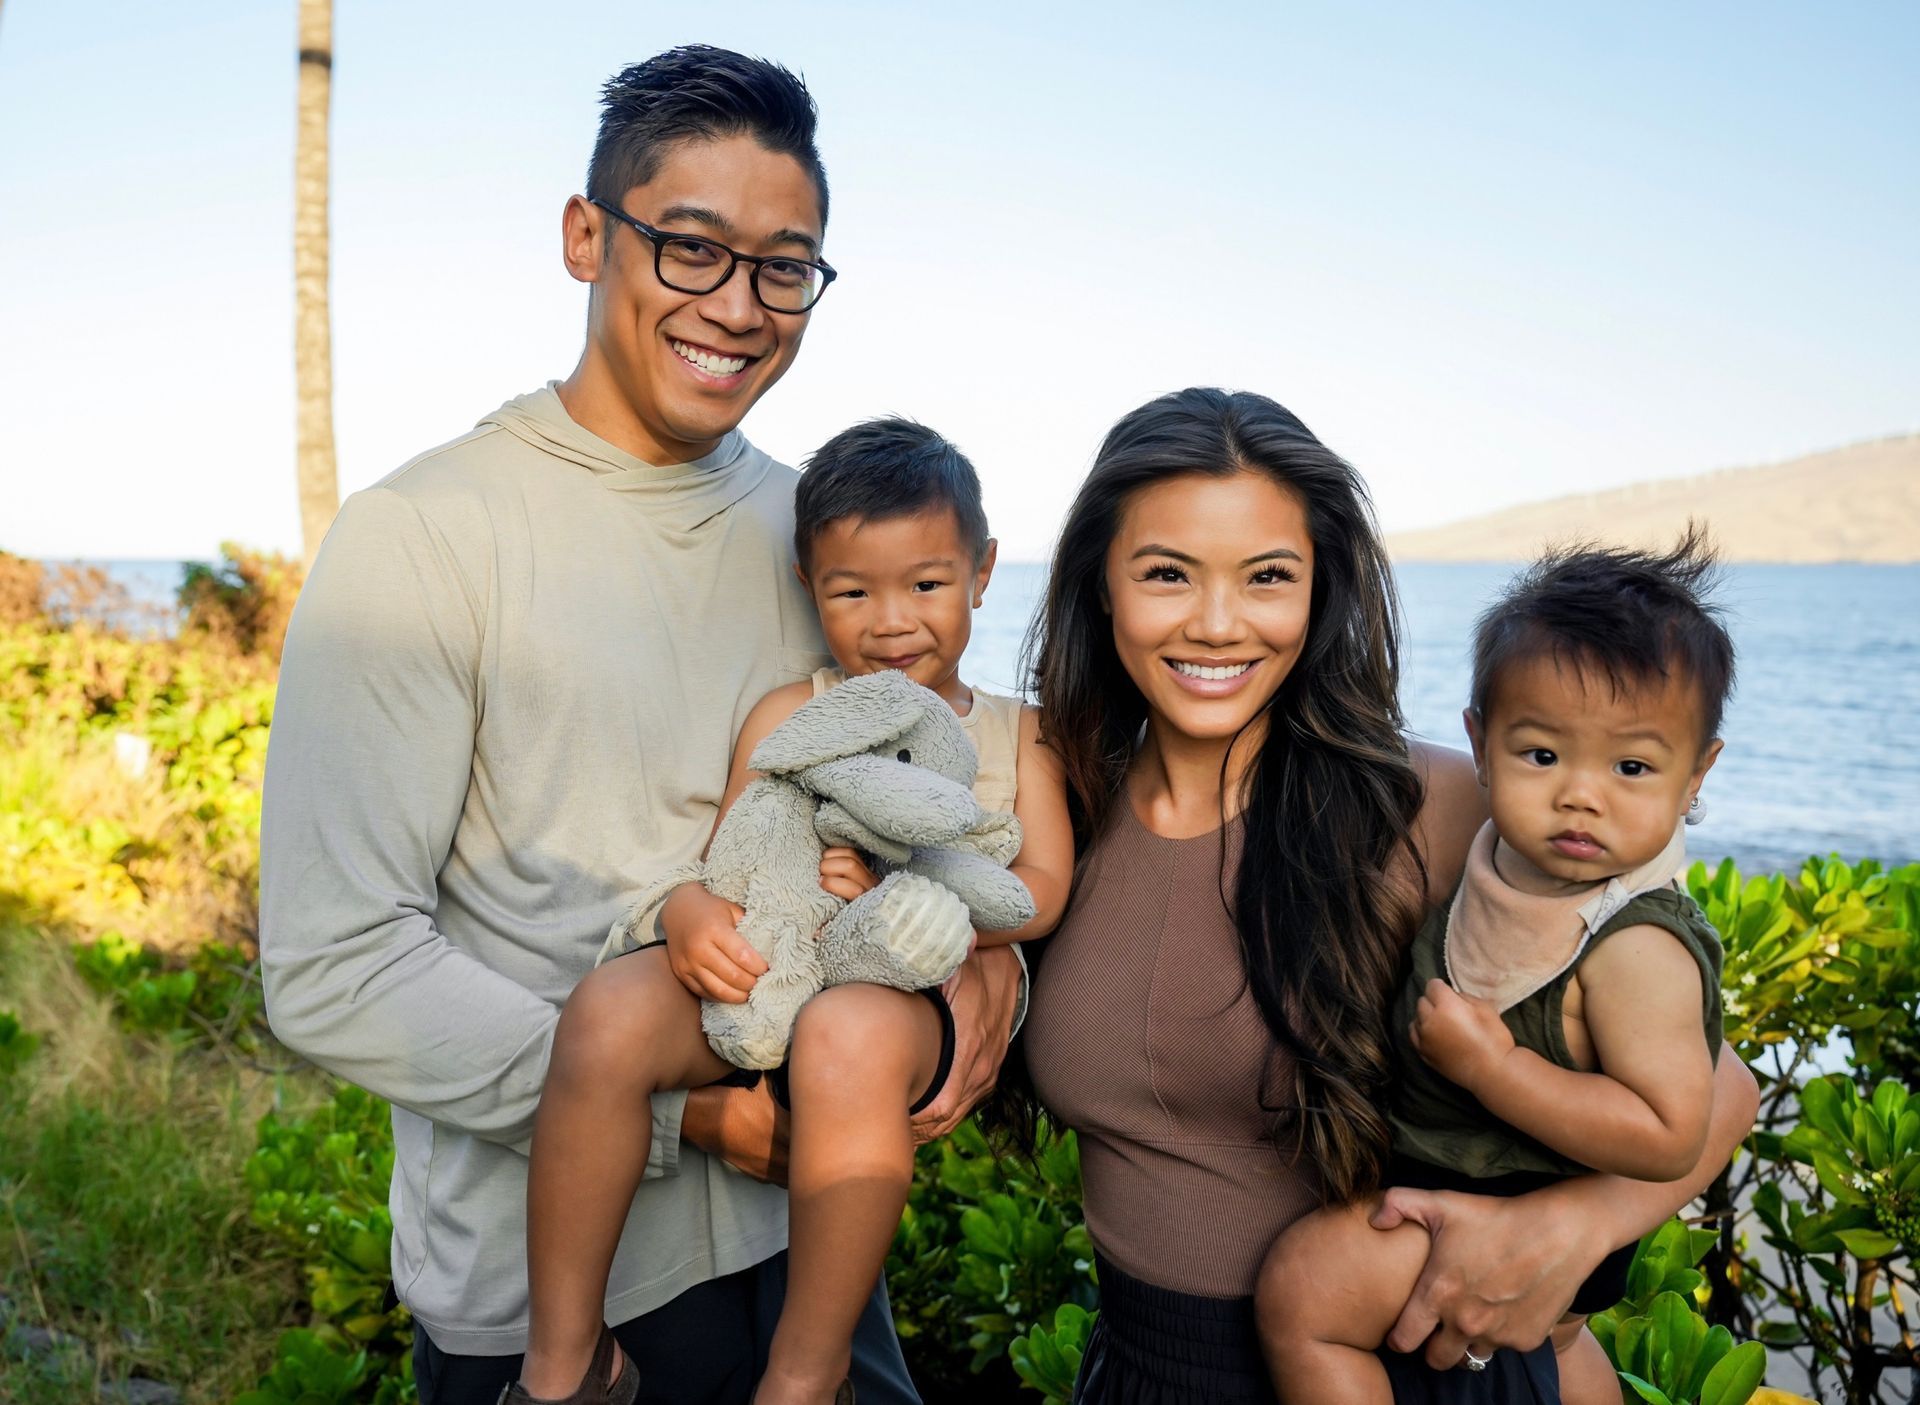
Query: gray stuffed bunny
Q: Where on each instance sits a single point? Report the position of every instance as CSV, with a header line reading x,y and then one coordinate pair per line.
x,y
883,765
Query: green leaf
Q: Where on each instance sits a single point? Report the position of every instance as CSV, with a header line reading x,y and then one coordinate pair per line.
x,y
1648,1393
1867,1243
1735,1379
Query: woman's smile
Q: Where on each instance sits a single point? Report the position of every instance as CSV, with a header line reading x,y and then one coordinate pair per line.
x,y
1208,679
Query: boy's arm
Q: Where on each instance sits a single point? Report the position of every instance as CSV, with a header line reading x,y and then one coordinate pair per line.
x,y
705,951
367,773
1045,860
1502,1271
1646,1115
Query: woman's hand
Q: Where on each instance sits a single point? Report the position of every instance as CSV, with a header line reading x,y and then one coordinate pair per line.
x,y
704,950
1499,1273
845,874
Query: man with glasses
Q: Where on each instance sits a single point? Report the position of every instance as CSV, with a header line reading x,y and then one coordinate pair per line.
x,y
508,698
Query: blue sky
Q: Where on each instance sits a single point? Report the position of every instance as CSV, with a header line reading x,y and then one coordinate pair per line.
x,y
1489,252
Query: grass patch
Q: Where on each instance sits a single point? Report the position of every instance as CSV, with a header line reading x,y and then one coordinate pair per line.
x,y
124,1217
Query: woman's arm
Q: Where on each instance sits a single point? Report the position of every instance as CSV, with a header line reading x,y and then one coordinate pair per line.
x,y
1501,1272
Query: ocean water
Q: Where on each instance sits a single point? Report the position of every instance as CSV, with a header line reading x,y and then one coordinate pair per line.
x,y
1823,732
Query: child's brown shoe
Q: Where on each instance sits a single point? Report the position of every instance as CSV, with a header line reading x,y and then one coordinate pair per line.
x,y
597,1387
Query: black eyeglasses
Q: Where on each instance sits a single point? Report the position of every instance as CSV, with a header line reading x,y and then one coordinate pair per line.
x,y
689,264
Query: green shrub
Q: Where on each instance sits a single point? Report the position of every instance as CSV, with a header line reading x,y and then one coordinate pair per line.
x,y
318,1368
319,1186
989,1247
214,994
1656,1339
1049,1361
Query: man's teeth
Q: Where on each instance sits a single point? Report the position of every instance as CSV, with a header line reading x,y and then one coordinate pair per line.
x,y
708,362
1194,670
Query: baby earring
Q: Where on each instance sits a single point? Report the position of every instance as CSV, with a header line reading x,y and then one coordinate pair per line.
x,y
1696,811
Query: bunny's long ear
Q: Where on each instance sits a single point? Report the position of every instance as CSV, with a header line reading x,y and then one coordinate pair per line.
x,y
861,715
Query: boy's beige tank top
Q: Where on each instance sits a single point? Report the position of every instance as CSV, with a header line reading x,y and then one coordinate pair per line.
x,y
992,725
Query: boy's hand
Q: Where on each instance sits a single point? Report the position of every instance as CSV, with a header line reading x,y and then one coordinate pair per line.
x,y
704,950
1460,1038
845,874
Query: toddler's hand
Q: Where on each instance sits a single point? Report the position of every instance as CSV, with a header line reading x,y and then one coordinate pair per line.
x,y
710,958
845,874
1460,1038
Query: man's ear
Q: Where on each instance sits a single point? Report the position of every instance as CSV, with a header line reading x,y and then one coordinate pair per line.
x,y
984,571
801,573
582,228
1477,739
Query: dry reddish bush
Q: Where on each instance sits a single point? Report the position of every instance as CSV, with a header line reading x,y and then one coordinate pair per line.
x,y
23,585
243,604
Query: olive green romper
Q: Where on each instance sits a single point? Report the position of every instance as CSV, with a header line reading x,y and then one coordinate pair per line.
x,y
1444,1139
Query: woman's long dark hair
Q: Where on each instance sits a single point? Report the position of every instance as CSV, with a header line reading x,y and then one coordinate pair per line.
x,y
1322,902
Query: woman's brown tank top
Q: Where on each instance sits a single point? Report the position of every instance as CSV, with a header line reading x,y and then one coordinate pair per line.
x,y
1144,1037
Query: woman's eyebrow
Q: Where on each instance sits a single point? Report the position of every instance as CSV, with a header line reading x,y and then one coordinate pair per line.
x,y
1279,553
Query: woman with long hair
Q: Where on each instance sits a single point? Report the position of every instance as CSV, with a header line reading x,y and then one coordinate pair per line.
x,y
1217,667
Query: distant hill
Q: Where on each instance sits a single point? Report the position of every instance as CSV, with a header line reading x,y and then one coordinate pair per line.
x,y
1860,503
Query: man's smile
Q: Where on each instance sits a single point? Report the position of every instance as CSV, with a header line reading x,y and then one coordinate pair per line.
x,y
713,365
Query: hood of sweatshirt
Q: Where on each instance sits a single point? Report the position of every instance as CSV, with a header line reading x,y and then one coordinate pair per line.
x,y
683,494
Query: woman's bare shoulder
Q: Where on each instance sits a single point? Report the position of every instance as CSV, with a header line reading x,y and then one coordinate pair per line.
x,y
1451,814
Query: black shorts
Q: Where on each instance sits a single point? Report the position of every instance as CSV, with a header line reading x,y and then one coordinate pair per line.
x,y
777,1077
1155,1346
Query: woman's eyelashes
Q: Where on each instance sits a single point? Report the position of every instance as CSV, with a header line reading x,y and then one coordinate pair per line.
x,y
1267,575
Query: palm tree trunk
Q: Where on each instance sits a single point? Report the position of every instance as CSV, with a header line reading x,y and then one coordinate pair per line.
x,y
312,334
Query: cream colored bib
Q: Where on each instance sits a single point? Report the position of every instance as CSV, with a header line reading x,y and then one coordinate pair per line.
x,y
1503,944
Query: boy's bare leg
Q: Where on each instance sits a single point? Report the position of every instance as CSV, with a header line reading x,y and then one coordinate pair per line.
x,y
629,1030
1329,1292
1586,1376
861,1055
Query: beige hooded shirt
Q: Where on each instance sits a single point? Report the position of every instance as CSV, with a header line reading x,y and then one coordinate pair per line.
x,y
508,699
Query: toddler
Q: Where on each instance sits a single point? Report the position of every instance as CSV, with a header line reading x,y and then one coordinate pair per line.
x,y
1562,1014
892,544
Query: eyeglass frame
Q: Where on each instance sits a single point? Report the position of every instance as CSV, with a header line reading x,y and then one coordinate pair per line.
x,y
660,237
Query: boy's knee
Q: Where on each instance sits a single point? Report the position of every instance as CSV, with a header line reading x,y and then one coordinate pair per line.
x,y
1282,1295
854,1035
604,1024
1289,1297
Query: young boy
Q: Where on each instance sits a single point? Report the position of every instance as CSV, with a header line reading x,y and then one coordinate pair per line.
x,y
892,543
1563,1014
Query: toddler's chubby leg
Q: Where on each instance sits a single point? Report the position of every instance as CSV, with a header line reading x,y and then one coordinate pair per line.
x,y
629,1030
1329,1292
861,1055
1586,1376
